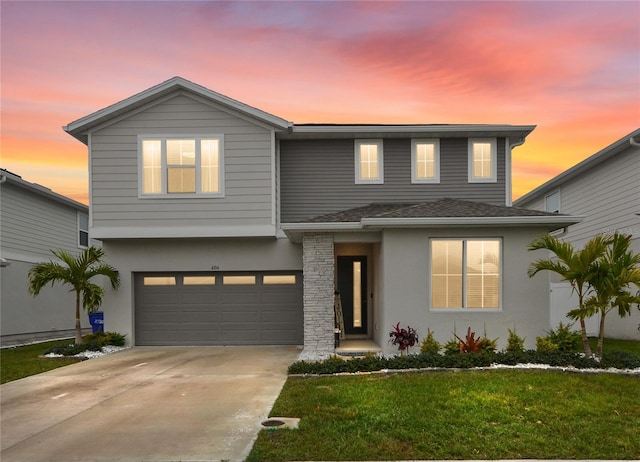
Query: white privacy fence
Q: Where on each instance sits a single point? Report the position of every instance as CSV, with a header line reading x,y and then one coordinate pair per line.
x,y
564,300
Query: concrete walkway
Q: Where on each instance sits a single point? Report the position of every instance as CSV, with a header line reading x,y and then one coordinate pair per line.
x,y
145,404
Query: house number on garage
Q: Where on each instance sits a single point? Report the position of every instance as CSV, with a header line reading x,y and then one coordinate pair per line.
x,y
215,267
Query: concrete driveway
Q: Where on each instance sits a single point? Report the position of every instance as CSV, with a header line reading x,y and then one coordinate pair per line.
x,y
145,404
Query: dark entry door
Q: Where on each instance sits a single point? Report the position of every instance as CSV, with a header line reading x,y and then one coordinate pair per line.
x,y
352,285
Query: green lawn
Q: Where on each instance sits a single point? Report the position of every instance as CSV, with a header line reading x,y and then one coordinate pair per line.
x,y
492,414
19,362
630,346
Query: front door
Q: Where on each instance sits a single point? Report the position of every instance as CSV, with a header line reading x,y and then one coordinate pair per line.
x,y
352,285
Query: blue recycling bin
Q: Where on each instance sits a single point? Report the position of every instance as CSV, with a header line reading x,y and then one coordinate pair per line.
x,y
97,321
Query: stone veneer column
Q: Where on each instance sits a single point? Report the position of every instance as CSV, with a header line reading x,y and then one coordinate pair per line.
x,y
319,295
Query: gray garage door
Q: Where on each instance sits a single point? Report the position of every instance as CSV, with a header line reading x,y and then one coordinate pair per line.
x,y
257,308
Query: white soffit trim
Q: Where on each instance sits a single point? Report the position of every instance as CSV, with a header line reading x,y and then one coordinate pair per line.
x,y
104,232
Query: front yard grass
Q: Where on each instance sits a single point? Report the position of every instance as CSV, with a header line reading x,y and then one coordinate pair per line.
x,y
23,361
490,414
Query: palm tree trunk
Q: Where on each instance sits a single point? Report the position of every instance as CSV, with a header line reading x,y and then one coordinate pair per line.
x,y
600,336
583,331
78,326
585,339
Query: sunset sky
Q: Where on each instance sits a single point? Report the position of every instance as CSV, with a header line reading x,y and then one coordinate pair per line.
x,y
572,68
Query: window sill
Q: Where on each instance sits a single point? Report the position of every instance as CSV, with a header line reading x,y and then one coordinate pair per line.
x,y
465,310
181,196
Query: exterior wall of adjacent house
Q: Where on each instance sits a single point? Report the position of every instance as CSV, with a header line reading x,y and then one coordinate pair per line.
x,y
608,196
405,292
193,255
247,207
31,225
317,177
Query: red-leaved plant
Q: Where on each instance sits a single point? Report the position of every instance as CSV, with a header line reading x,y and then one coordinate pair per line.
x,y
403,338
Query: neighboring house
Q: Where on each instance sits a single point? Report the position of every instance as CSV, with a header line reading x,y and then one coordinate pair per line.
x,y
233,226
605,189
33,221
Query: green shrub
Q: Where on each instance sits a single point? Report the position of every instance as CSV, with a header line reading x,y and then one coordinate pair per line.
x,y
556,358
544,345
565,337
515,343
71,349
452,346
430,345
92,342
105,338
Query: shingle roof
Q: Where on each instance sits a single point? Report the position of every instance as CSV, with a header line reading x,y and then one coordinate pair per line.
x,y
435,209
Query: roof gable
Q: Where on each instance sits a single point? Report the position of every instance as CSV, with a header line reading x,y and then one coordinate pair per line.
x,y
16,180
614,149
80,128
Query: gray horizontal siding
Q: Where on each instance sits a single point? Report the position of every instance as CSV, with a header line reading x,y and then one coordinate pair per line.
x,y
609,197
317,177
31,225
247,169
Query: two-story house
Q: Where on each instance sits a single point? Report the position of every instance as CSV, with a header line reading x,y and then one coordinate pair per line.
x,y
605,189
33,221
233,226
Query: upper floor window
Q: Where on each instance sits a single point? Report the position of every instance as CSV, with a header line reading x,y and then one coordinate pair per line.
x,y
178,165
83,230
483,154
552,202
425,161
369,161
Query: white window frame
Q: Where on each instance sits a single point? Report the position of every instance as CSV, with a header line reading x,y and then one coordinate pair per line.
x,y
547,196
358,179
464,275
494,160
164,192
414,161
81,230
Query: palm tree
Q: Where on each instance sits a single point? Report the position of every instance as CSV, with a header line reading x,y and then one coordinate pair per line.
x,y
76,272
574,266
616,273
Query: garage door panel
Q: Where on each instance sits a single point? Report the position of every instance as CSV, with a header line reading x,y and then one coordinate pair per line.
x,y
291,335
245,335
240,298
161,299
278,317
199,299
240,316
200,317
199,309
282,297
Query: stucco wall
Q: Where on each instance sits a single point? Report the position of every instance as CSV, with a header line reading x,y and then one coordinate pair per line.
x,y
405,295
130,256
24,318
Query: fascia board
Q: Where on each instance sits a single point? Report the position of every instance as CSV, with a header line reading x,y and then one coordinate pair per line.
x,y
415,129
295,231
470,221
319,227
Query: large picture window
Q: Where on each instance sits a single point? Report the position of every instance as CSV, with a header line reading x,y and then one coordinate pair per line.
x,y
465,273
181,165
